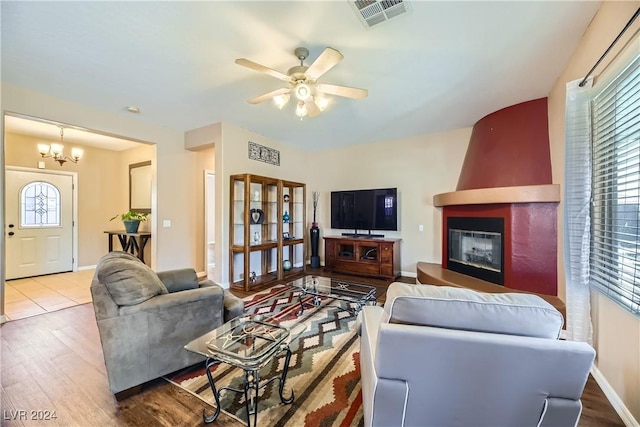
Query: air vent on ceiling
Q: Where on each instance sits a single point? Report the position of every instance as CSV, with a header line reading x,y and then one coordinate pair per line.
x,y
373,12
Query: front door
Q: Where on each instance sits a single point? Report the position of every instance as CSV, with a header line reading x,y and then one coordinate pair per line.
x,y
39,227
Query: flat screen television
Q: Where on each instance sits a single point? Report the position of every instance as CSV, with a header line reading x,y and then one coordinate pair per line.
x,y
365,210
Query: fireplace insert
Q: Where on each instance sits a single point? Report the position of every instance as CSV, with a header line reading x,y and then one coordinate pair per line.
x,y
476,247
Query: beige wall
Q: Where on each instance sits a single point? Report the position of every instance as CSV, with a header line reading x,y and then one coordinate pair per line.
x,y
173,193
98,189
616,332
419,167
140,153
231,157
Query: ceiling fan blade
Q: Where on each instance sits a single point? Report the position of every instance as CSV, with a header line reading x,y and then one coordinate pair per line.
x,y
346,91
326,61
269,95
261,68
312,108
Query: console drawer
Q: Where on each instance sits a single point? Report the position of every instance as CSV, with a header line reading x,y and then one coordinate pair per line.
x,y
356,267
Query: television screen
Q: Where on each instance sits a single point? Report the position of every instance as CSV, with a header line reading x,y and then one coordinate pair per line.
x,y
365,209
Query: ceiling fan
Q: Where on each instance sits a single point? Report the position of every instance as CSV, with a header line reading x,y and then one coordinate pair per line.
x,y
303,83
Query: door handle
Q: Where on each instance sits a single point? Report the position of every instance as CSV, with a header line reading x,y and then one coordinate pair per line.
x,y
11,233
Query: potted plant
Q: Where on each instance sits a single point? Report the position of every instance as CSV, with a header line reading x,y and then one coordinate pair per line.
x,y
131,220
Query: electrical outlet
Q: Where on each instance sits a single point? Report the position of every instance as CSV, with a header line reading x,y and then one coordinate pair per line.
x,y
421,227
166,223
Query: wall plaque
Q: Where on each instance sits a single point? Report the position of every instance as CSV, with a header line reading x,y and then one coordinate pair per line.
x,y
264,154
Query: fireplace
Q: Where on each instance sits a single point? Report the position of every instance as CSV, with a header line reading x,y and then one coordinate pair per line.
x,y
507,174
527,244
475,247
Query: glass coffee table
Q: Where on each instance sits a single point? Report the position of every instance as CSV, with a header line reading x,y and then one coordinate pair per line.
x,y
324,287
248,343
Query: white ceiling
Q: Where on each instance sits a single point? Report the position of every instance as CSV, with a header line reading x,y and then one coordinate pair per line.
x,y
442,66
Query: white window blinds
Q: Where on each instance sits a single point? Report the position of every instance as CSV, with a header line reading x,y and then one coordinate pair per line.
x,y
615,210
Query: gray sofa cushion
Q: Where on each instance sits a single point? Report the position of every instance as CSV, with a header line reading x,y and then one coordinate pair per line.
x,y
465,309
128,281
179,280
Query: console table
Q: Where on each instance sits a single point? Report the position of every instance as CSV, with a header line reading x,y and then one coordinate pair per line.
x,y
377,257
133,243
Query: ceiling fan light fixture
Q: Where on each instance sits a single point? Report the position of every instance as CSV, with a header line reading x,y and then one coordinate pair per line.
x,y
303,91
302,81
281,100
322,102
301,109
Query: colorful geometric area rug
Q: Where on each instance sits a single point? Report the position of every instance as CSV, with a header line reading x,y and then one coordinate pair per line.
x,y
324,370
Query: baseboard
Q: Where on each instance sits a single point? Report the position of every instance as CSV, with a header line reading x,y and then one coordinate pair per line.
x,y
617,403
87,267
409,274
3,319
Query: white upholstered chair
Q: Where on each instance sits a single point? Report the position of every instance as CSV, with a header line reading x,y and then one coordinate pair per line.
x,y
443,356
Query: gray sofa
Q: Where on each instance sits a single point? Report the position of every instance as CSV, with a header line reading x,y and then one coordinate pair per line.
x,y
145,319
443,356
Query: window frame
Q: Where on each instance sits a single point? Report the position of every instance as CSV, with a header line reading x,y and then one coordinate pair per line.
x,y
614,260
24,206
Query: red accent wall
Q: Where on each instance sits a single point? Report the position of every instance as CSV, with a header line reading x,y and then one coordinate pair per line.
x,y
509,147
530,242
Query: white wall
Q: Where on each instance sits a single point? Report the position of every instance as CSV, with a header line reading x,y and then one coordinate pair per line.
x,y
616,331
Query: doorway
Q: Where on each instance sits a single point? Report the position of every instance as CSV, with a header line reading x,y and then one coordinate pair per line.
x,y
41,214
209,222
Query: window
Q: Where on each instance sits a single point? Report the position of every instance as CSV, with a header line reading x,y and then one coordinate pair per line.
x,y
39,205
615,208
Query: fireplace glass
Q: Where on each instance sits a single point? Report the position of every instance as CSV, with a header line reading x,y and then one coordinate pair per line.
x,y
475,247
479,249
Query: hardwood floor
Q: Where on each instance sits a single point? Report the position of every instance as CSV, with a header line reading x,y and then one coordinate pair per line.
x,y
53,362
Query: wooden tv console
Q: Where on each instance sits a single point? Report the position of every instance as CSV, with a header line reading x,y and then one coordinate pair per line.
x,y
376,257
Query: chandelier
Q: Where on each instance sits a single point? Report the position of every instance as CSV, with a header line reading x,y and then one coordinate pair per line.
x,y
55,151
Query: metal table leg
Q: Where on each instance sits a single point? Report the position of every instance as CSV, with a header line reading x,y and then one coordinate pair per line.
x,y
251,388
216,394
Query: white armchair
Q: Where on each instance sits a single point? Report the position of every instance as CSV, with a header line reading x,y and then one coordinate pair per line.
x,y
442,356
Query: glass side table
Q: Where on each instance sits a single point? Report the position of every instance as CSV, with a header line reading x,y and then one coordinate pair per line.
x,y
248,343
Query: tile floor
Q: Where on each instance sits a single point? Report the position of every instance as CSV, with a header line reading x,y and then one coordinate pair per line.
x,y
43,294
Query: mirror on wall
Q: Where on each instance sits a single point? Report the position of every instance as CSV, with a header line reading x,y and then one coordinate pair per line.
x,y
140,187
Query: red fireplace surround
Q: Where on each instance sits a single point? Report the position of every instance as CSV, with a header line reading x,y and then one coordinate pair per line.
x,y
507,174
530,231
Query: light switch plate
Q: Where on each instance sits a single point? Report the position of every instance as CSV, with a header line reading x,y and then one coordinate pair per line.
x,y
166,223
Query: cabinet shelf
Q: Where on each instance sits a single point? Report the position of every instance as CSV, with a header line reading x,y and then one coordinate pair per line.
x,y
255,246
264,259
292,242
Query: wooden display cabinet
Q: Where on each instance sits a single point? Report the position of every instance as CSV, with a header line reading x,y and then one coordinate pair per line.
x,y
376,257
258,245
